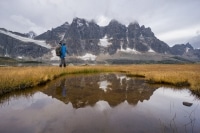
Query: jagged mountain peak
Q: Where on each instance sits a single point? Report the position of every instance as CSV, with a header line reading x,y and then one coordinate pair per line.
x,y
114,21
135,25
189,45
115,30
31,34
66,23
79,22
183,49
3,29
78,19
84,37
80,31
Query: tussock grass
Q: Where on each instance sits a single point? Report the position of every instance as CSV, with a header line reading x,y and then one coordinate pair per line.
x,y
13,78
178,75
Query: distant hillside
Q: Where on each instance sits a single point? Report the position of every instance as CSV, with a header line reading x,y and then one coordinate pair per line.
x,y
86,40
7,61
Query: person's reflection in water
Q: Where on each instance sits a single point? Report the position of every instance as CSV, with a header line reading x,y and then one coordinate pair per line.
x,y
64,89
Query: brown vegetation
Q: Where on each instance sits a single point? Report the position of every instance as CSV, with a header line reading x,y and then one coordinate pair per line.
x,y
13,78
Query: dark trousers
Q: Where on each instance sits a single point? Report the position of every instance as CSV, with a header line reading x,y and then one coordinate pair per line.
x,y
62,62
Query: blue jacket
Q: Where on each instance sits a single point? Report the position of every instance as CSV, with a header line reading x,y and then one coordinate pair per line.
x,y
63,51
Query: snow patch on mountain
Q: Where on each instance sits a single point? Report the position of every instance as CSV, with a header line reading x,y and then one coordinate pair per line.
x,y
104,42
141,37
62,36
24,39
151,51
187,49
54,56
128,50
80,23
88,56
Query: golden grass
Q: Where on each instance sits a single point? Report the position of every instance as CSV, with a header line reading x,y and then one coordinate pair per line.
x,y
13,78
178,75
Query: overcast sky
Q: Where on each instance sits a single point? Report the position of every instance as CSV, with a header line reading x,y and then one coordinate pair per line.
x,y
172,21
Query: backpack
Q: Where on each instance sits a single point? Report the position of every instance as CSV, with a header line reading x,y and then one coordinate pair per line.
x,y
58,51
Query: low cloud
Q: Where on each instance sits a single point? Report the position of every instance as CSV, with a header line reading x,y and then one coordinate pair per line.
x,y
102,20
198,32
21,21
179,35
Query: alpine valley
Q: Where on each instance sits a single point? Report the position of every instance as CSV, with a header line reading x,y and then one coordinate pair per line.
x,y
88,42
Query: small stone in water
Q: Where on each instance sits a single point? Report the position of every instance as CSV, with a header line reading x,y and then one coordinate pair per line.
x,y
187,104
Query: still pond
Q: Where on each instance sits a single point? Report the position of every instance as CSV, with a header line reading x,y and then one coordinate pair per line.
x,y
100,103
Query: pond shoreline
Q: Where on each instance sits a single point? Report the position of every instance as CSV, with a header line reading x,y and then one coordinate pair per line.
x,y
17,78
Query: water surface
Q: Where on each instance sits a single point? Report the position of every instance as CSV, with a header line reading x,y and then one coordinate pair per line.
x,y
111,103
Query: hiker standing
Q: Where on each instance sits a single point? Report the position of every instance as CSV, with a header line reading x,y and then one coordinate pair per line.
x,y
63,52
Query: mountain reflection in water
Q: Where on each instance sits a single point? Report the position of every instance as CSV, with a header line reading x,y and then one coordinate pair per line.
x,y
110,103
87,90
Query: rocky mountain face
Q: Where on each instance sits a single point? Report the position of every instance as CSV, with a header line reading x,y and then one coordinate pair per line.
x,y
86,37
30,34
15,48
134,37
83,37
185,50
55,35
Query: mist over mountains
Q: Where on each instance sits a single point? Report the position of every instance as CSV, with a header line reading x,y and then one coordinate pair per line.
x,y
195,41
86,40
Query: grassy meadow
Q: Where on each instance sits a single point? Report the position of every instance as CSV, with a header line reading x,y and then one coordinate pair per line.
x,y
15,78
